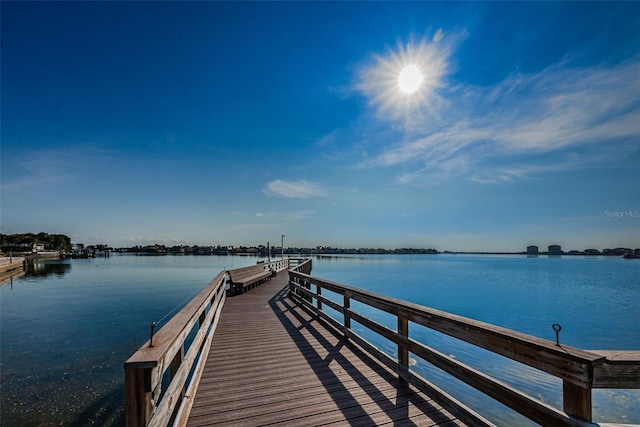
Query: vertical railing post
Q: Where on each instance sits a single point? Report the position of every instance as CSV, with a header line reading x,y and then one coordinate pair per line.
x,y
319,293
175,365
138,398
576,401
307,296
347,318
403,352
291,281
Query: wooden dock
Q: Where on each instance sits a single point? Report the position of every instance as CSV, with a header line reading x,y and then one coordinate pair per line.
x,y
272,363
272,355
10,268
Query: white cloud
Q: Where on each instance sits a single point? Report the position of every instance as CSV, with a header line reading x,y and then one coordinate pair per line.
x,y
565,106
499,133
294,189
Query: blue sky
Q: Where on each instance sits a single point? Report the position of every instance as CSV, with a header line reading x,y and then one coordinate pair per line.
x,y
234,123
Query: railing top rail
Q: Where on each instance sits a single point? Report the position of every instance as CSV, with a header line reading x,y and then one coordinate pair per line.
x,y
150,356
621,357
277,264
302,265
417,312
301,261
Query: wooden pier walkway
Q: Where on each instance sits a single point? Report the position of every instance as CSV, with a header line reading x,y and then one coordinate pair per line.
x,y
272,363
272,355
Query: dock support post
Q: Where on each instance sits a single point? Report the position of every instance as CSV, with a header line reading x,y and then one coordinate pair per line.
x,y
576,401
138,399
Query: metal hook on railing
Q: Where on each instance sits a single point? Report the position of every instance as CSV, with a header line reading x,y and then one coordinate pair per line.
x,y
556,327
153,326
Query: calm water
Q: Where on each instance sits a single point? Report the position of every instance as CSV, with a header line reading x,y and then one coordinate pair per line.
x,y
66,332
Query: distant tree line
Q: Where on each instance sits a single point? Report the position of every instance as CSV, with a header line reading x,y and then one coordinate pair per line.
x,y
366,251
24,242
262,250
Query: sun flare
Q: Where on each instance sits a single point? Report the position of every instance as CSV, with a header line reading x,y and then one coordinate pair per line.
x,y
406,83
410,79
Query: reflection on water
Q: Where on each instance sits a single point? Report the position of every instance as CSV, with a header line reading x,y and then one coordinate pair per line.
x,y
47,268
9,278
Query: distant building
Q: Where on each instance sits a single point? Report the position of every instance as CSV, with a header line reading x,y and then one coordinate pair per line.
x,y
39,246
204,250
623,251
555,250
532,250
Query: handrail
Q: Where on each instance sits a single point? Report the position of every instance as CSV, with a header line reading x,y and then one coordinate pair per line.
x,y
580,370
277,265
167,355
303,265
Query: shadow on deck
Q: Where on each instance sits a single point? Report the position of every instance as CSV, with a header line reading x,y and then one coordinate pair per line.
x,y
273,362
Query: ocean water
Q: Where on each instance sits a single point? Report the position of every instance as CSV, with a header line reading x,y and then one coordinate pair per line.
x,y
66,330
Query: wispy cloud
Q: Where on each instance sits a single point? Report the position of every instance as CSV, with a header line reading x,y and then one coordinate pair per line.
x,y
294,189
52,166
500,133
328,138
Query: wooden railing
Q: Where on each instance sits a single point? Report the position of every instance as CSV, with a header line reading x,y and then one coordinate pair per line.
x,y
11,265
580,371
174,359
302,265
163,359
277,265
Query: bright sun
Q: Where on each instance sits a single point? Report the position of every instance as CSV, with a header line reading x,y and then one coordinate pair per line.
x,y
410,79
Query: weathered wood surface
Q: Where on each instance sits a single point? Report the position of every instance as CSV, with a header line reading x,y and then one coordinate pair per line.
x,y
9,266
271,362
621,369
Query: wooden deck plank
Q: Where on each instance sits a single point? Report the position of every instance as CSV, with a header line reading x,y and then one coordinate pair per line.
x,y
273,363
